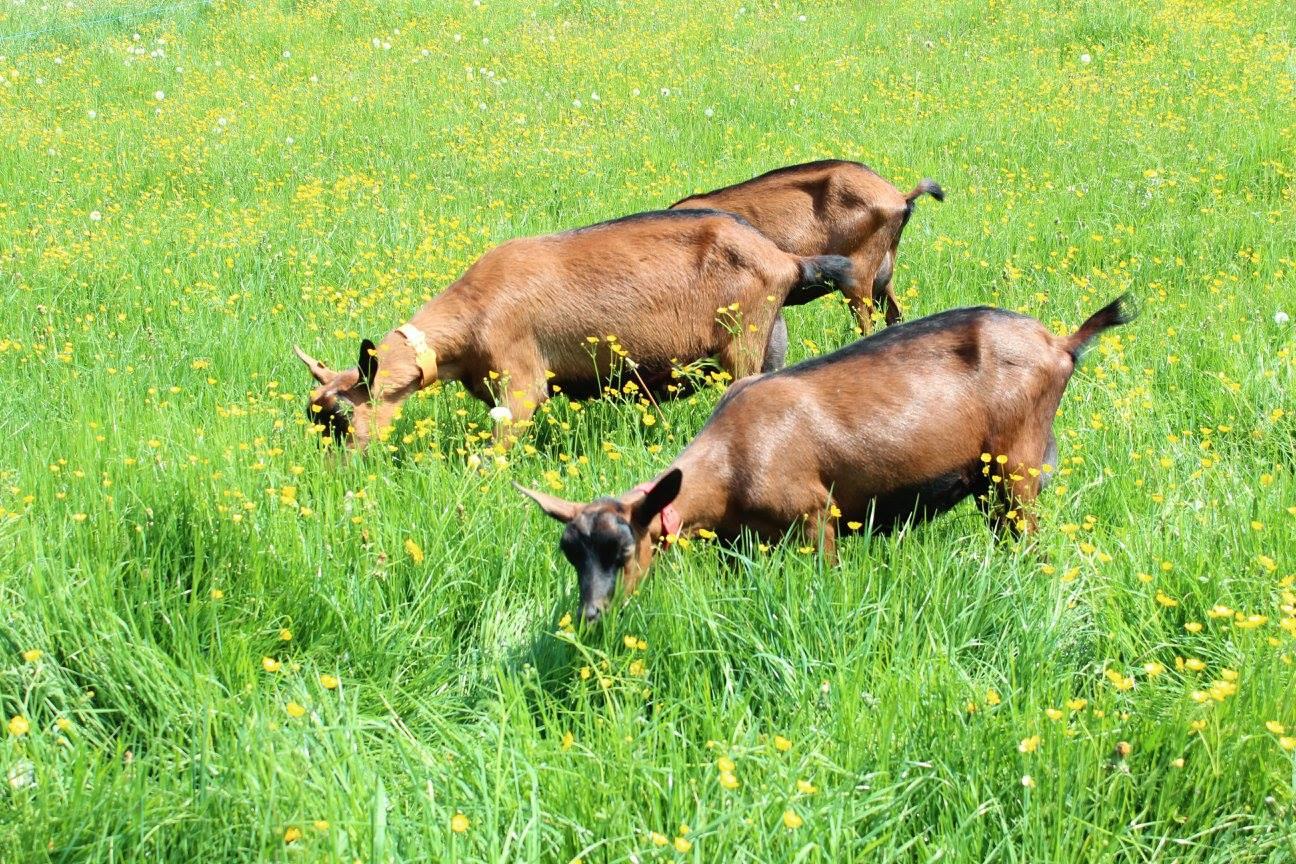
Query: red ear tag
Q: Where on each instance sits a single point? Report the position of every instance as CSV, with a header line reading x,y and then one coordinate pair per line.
x,y
670,518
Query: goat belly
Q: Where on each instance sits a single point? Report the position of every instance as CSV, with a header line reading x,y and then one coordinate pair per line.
x,y
918,502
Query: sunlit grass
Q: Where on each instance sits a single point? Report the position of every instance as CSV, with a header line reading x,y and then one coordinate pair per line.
x,y
219,641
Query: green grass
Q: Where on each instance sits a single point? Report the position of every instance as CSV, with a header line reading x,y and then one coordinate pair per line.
x,y
154,420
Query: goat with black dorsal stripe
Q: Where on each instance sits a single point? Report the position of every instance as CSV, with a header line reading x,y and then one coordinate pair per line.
x,y
673,286
902,425
830,207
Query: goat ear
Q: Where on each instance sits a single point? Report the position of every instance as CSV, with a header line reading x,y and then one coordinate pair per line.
x,y
553,506
657,498
318,370
368,362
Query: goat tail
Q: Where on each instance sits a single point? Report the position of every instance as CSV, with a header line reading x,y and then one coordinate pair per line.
x,y
926,186
1122,310
820,275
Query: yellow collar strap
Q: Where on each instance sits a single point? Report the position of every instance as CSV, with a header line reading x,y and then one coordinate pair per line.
x,y
424,356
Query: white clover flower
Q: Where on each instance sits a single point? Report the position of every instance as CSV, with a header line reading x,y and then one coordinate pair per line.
x,y
159,95
95,215
1085,58
576,103
709,113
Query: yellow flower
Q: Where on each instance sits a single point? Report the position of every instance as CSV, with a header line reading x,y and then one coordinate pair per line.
x,y
782,744
285,635
328,682
63,724
1029,745
1077,704
1165,599
18,726
1197,725
1287,742
791,820
1193,627
1119,681
1153,669
682,845
724,763
706,534
1053,714
33,655
270,664
659,839
805,787
854,526
1194,664
459,823
217,594
567,740
321,825
415,552
1275,727
992,697
292,835
295,710
728,780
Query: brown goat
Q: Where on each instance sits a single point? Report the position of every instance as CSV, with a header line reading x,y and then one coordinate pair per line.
x,y
902,425
831,207
672,286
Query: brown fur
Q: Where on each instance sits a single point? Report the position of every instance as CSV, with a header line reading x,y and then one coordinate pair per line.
x,y
888,429
525,309
830,207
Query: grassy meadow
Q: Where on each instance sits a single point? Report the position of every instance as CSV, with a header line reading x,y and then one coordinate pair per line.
x,y
220,641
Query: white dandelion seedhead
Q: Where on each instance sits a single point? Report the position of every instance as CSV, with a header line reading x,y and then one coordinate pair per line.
x,y
501,414
1280,317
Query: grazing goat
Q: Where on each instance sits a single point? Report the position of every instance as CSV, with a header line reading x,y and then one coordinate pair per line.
x,y
902,425
831,207
672,286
